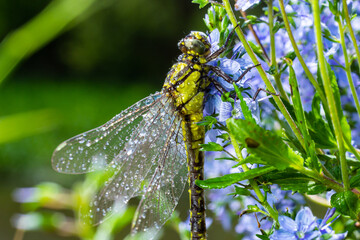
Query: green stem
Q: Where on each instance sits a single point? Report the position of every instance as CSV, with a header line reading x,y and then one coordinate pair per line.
x,y
329,94
273,51
347,64
273,213
301,60
351,148
352,35
262,73
322,179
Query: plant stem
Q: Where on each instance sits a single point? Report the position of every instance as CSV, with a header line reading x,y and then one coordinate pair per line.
x,y
273,51
301,60
328,91
267,59
262,73
347,65
323,179
352,35
273,213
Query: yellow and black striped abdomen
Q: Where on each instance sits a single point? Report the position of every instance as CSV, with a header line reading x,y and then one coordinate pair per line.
x,y
186,83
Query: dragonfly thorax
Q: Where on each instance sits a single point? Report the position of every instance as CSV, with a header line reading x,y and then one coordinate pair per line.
x,y
195,44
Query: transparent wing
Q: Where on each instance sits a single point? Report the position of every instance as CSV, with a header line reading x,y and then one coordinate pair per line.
x,y
165,187
133,169
95,149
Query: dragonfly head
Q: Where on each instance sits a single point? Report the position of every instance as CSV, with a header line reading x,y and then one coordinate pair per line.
x,y
195,43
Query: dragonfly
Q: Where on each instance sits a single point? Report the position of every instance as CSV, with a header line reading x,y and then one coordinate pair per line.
x,y
151,149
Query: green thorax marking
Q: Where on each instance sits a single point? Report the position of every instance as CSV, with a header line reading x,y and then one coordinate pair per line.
x,y
188,78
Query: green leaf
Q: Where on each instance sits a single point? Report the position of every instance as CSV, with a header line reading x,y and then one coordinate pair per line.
x,y
355,180
223,136
229,179
21,125
264,144
257,50
252,159
241,191
211,147
292,21
225,97
226,158
345,127
347,203
295,182
319,130
327,34
244,107
291,55
208,121
353,162
311,162
202,3
277,26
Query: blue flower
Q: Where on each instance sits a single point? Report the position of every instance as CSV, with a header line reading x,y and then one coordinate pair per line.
x,y
245,4
233,67
325,228
306,227
302,228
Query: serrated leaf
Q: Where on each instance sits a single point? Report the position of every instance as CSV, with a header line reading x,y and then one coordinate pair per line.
x,y
347,203
211,147
229,179
202,3
264,144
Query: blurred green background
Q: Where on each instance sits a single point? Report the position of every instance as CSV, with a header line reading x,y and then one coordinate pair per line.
x,y
67,67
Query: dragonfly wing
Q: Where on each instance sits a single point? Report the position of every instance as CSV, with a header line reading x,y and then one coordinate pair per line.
x,y
131,171
165,187
93,150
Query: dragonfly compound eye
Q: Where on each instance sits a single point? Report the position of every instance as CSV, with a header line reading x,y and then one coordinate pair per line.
x,y
195,43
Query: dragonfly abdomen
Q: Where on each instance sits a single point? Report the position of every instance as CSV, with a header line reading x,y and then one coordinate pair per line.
x,y
194,135
186,85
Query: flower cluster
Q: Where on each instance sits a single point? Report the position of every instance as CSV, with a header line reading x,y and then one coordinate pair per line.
x,y
303,31
305,226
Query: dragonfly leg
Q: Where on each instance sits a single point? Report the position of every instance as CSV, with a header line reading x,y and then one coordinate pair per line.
x,y
264,90
217,53
226,77
246,71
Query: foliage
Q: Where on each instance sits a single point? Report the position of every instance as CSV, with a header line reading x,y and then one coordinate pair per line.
x,y
250,158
